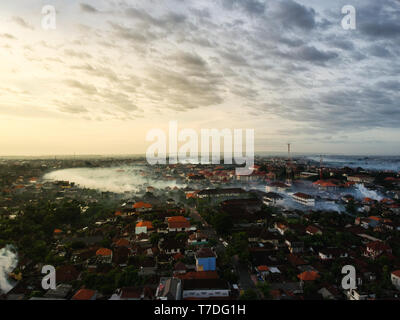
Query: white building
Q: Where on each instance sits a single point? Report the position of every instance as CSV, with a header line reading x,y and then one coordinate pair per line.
x,y
304,199
395,277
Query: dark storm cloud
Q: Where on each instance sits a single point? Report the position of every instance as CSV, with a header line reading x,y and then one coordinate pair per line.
x,y
391,85
388,30
379,51
292,14
309,54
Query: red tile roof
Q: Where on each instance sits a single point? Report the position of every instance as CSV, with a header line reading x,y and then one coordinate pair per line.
x,y
84,294
104,252
141,205
147,224
396,273
308,276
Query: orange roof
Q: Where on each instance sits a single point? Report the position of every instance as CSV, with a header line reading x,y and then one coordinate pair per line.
x,y
191,195
324,183
146,224
375,218
122,243
57,231
118,213
84,294
140,205
177,219
178,222
104,252
262,268
308,276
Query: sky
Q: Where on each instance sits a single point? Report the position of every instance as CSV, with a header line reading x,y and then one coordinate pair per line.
x,y
113,70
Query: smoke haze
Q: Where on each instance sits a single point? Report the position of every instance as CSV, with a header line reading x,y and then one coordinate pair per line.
x,y
8,262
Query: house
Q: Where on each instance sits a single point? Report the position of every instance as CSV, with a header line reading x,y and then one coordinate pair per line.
x,y
180,268
272,199
294,245
179,223
61,292
308,276
205,288
395,277
218,193
281,228
356,294
328,185
148,267
304,199
332,253
170,246
104,255
197,238
295,260
142,207
359,178
313,230
169,289
205,260
85,294
276,187
128,293
143,227
375,248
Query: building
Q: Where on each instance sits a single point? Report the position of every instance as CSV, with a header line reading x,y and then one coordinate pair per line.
x,y
143,227
142,207
277,187
313,230
104,255
327,185
197,238
355,294
332,253
206,260
304,199
179,223
169,289
375,248
129,293
272,199
395,277
218,193
85,294
205,288
360,178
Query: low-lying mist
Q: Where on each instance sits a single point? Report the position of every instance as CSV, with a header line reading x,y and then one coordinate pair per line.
x,y
116,179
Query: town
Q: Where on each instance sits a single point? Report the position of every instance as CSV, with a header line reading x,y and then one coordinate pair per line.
x,y
199,231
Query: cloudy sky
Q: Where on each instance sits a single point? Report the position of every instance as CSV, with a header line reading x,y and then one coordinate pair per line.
x,y
112,70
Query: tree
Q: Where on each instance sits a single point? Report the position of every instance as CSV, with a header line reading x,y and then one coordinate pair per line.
x,y
222,223
249,294
265,290
351,207
154,238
